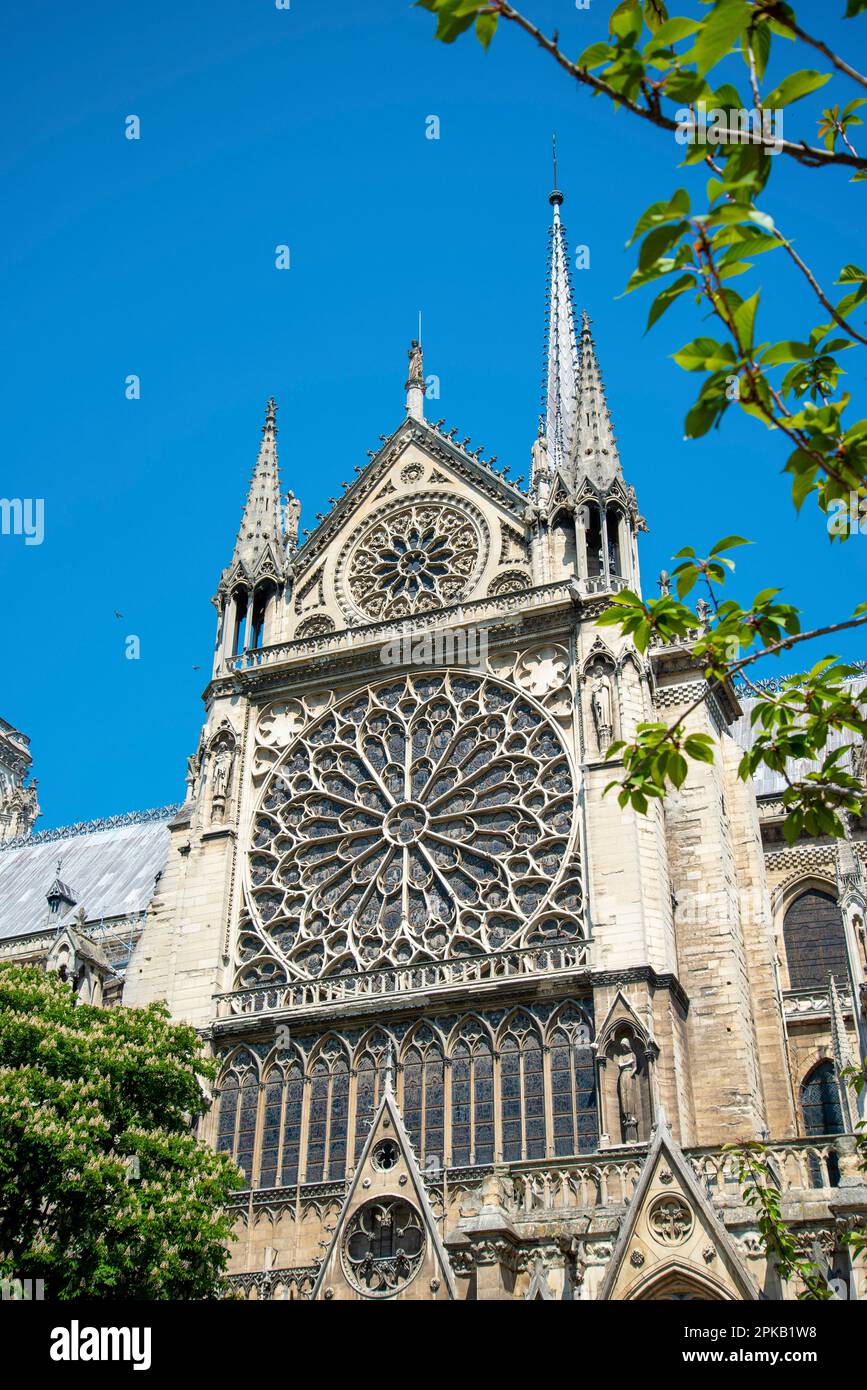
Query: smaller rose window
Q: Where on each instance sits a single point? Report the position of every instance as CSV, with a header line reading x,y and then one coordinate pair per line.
x,y
383,1247
413,563
414,558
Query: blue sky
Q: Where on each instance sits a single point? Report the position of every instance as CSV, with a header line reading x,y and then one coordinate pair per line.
x,y
306,127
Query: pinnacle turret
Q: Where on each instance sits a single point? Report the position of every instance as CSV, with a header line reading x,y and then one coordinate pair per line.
x,y
595,453
261,530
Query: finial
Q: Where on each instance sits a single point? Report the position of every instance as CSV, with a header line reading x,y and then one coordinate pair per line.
x,y
555,197
270,415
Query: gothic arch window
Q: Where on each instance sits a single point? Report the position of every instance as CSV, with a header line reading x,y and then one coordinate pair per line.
x,y
522,1093
573,1090
424,1099
261,599
329,1116
820,1101
237,1117
613,517
238,617
815,941
472,1099
563,538
281,1125
595,563
369,1085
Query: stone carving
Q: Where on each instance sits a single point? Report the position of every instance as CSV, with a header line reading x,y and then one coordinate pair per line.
x,y
670,1220
601,707
293,518
542,669
416,364
221,754
412,473
426,817
415,558
383,1247
509,582
315,627
627,1089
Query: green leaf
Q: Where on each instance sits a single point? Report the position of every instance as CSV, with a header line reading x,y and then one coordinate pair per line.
x,y
666,298
486,27
729,543
725,23
704,354
744,319
674,29
793,87
596,55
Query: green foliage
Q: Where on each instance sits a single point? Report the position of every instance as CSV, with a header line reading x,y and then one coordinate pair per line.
x,y
105,1192
660,66
762,1193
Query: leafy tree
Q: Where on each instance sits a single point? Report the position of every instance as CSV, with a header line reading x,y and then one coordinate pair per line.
x,y
665,70
105,1192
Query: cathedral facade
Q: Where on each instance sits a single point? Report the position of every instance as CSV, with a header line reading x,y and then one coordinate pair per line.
x,y
483,1033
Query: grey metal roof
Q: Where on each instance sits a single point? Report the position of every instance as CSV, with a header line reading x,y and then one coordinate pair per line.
x,y
111,870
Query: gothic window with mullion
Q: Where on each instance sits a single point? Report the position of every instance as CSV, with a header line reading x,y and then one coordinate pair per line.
x,y
573,1096
472,1101
424,1101
369,1085
282,1126
328,1117
237,1119
522,1095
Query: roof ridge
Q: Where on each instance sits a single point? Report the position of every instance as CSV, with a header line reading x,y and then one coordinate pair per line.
x,y
67,832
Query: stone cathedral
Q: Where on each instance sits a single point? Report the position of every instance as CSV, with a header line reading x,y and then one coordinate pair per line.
x,y
483,1034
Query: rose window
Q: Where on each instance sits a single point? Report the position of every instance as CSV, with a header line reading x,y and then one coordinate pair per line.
x,y
383,1247
415,558
428,817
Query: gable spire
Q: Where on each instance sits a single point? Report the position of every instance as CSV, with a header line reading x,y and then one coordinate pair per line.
x,y
595,449
261,526
561,370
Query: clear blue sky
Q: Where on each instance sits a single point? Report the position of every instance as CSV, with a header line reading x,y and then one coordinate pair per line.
x,y
307,127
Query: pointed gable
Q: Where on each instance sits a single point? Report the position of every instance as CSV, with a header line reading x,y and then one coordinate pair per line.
x,y
672,1240
386,1243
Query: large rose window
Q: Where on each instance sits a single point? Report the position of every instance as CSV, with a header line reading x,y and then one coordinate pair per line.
x,y
415,557
428,817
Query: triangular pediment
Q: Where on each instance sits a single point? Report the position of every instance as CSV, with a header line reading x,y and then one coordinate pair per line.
x,y
386,1244
449,464
672,1243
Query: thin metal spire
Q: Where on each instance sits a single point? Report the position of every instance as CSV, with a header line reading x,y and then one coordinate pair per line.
x,y
561,369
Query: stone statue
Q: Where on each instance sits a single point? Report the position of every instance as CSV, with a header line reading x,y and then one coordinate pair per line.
x,y
222,768
627,1090
703,610
600,703
664,582
293,517
416,364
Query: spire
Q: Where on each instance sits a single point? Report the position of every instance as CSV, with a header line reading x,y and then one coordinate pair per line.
x,y
595,450
261,525
560,399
